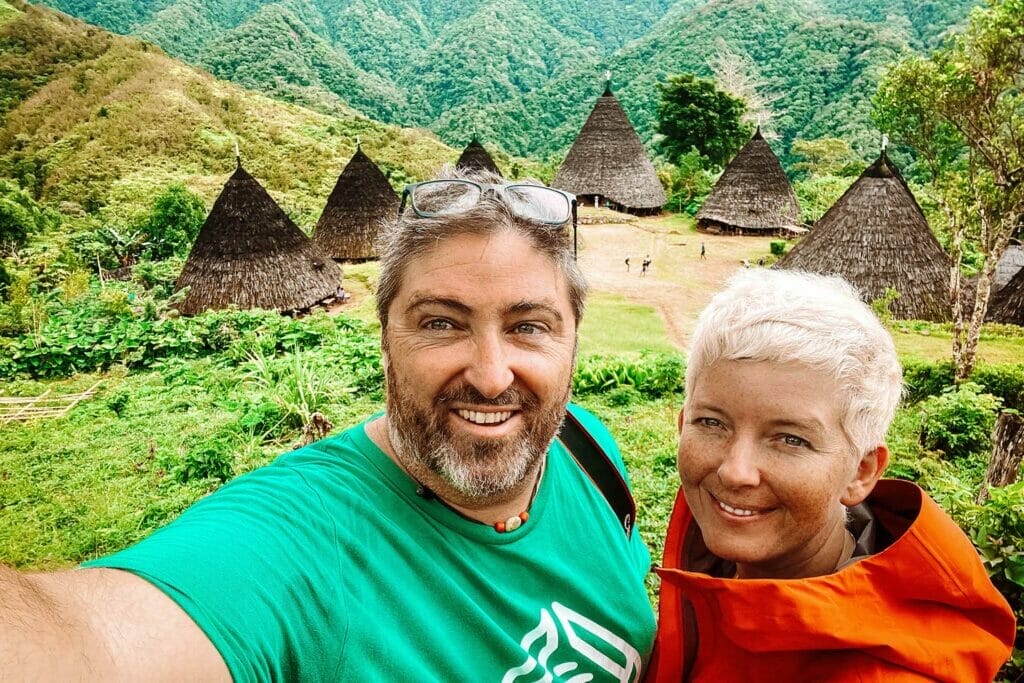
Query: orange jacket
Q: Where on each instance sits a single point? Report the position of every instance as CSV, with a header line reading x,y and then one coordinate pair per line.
x,y
922,608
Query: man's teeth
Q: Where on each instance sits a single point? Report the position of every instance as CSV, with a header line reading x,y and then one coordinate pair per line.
x,y
479,418
736,511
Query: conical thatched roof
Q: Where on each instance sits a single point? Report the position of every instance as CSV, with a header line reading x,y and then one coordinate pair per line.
x,y
476,158
753,195
361,199
876,236
607,159
1007,305
251,255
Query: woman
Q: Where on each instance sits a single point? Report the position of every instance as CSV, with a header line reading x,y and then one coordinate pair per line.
x,y
787,559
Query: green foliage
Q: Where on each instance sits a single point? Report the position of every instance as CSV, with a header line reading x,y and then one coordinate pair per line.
x,y
651,375
777,247
959,421
922,379
826,157
173,222
208,460
294,382
688,182
693,114
20,216
882,306
818,193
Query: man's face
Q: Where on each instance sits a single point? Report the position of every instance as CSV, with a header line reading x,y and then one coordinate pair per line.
x,y
480,345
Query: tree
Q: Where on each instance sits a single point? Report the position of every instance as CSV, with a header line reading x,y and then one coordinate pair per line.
x,y
694,114
826,156
962,110
173,223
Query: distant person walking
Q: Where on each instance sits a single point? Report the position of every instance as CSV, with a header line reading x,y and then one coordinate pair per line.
x,y
703,251
644,265
627,264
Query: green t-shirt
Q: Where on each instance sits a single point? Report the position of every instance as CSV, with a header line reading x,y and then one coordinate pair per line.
x,y
326,565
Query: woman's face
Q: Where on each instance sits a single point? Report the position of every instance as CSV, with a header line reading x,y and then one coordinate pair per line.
x,y
766,467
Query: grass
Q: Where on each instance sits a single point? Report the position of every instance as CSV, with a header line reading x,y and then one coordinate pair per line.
x,y
610,316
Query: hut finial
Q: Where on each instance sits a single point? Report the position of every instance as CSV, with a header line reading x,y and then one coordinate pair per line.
x,y
885,142
607,82
359,143
238,155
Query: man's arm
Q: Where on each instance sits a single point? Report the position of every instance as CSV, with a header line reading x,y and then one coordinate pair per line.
x,y
98,624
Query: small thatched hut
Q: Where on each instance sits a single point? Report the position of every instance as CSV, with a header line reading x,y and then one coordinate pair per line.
x,y
476,158
876,237
1007,305
360,201
249,254
752,197
607,164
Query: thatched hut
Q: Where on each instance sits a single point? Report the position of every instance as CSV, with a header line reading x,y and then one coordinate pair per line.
x,y
360,201
752,197
249,254
1009,265
876,237
476,158
607,163
1007,305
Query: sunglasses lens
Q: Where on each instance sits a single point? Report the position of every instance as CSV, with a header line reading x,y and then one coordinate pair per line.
x,y
441,197
538,203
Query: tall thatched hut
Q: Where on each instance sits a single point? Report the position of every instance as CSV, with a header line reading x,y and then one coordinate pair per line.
x,y
476,158
1007,304
876,237
360,201
752,197
607,163
249,254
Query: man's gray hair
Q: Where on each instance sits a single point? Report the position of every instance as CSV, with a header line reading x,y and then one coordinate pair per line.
x,y
820,321
410,236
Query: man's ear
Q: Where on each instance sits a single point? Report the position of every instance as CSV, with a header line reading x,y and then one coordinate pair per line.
x,y
679,422
869,470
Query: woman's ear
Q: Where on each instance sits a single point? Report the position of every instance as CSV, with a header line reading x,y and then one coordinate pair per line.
x,y
869,470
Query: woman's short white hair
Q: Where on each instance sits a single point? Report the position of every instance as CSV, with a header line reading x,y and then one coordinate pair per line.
x,y
819,321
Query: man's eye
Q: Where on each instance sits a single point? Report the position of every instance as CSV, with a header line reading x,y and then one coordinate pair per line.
x,y
528,328
708,422
438,324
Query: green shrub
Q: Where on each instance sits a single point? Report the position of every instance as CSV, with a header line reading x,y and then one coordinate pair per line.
x,y
959,421
211,460
652,375
623,396
1004,381
882,306
777,247
923,379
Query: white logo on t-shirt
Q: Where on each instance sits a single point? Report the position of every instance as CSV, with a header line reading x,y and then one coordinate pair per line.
x,y
551,659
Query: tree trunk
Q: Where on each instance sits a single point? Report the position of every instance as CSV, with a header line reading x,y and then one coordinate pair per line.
x,y
1007,453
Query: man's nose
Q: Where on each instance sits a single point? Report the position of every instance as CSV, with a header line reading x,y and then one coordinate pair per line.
x,y
739,466
490,370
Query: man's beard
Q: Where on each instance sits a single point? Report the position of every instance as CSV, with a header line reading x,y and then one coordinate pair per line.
x,y
476,468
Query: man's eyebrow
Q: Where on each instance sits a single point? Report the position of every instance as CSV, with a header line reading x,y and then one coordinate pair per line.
x,y
531,306
421,300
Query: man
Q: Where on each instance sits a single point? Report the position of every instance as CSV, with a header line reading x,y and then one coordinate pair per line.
x,y
447,539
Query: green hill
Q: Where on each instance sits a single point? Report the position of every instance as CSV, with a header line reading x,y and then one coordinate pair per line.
x,y
90,119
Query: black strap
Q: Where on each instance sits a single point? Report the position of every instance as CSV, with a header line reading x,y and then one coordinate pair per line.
x,y
596,464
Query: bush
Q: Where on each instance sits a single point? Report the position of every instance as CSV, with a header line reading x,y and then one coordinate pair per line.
x,y
211,460
1004,381
923,379
959,421
777,247
651,376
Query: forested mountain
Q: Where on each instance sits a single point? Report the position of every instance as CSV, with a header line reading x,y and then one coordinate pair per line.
x,y
89,119
523,74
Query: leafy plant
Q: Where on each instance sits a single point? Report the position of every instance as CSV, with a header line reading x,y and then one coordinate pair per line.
x,y
652,375
959,421
209,460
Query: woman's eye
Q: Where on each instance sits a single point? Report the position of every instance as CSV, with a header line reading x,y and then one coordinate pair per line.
x,y
795,441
